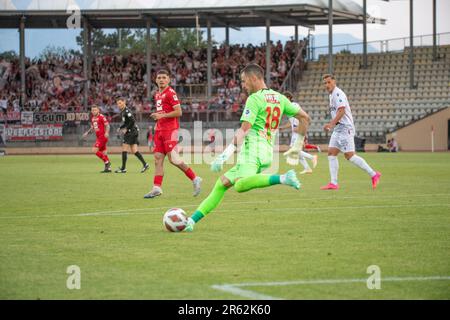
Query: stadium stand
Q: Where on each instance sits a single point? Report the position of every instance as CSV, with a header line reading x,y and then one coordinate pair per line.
x,y
56,84
380,96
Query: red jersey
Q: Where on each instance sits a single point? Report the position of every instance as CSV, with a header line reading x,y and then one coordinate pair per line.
x,y
165,101
212,135
99,124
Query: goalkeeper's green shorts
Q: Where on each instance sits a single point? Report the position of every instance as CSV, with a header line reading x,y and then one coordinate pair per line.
x,y
253,159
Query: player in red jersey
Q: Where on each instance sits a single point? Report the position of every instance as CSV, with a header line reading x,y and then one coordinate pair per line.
x,y
100,125
168,110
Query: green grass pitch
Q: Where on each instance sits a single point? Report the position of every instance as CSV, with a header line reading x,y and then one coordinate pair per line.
x,y
58,211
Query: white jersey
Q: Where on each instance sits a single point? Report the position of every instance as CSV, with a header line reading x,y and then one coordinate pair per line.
x,y
294,125
294,121
338,99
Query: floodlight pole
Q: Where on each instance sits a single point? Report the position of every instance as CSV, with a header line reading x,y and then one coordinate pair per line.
x,y
411,44
209,59
227,41
22,61
148,59
296,39
89,50
365,35
158,43
435,56
85,62
268,62
227,35
330,36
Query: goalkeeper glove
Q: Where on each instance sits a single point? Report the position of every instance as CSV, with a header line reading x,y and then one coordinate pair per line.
x,y
292,160
217,164
297,147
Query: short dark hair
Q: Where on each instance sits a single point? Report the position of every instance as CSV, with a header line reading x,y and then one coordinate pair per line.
x,y
95,106
118,97
328,75
163,71
288,95
254,69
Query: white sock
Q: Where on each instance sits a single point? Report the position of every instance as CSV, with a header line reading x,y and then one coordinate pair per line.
x,y
304,163
305,155
360,162
334,168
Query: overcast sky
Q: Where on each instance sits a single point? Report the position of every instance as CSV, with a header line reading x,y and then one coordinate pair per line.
x,y
396,12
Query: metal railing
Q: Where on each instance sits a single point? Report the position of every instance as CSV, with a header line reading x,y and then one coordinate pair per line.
x,y
380,46
294,74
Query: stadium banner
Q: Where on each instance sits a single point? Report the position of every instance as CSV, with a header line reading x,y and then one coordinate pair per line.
x,y
47,117
78,116
59,117
34,132
26,117
11,116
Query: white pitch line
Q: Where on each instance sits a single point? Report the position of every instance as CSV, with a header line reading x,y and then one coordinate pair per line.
x,y
244,293
335,281
286,209
237,290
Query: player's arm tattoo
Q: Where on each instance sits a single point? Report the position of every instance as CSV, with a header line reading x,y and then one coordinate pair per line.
x,y
107,127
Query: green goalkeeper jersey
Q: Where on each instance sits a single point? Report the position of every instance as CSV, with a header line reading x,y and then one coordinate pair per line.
x,y
263,110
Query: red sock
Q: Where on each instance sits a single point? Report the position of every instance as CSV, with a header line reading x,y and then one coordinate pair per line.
x,y
157,181
102,156
311,146
190,174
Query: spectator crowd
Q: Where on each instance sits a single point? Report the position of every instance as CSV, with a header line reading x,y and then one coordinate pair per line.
x,y
56,84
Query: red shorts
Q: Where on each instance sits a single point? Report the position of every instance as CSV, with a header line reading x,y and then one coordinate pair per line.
x,y
165,140
100,143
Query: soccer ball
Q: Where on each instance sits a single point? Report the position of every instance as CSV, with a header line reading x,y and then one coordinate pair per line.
x,y
175,220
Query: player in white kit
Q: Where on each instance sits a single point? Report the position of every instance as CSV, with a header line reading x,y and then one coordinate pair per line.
x,y
301,156
342,138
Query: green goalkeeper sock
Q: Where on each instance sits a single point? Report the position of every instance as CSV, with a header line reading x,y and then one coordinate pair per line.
x,y
242,185
211,202
256,181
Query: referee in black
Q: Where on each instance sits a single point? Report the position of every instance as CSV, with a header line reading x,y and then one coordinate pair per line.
x,y
130,132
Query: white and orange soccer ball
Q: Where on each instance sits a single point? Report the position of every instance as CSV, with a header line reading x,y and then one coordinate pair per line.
x,y
175,220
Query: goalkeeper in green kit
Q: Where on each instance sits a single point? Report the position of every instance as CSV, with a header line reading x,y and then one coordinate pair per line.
x,y
259,123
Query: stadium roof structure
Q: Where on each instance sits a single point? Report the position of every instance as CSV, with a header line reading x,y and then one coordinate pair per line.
x,y
181,13
161,14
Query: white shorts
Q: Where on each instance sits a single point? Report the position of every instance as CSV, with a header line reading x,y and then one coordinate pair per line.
x,y
344,140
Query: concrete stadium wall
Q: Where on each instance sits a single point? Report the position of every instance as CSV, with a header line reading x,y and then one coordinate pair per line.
x,y
417,136
73,144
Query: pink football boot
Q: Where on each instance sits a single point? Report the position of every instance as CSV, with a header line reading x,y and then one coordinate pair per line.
x,y
330,186
376,179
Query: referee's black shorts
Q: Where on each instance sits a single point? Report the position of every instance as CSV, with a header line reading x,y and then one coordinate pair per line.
x,y
131,137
